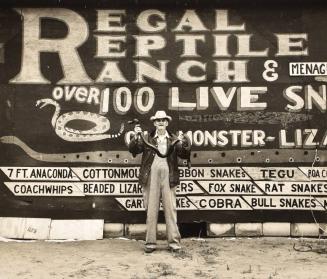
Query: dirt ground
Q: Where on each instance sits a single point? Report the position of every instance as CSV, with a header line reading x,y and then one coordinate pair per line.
x,y
200,258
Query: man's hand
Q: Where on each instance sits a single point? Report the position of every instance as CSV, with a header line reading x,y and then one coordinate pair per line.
x,y
180,135
137,129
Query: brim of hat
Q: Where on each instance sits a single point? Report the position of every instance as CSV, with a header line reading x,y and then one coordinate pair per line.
x,y
152,118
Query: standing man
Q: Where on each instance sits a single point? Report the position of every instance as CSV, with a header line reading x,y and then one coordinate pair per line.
x,y
159,176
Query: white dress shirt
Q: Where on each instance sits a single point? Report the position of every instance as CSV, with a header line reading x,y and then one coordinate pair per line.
x,y
162,142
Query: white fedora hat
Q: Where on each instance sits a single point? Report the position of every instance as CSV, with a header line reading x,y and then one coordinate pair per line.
x,y
160,114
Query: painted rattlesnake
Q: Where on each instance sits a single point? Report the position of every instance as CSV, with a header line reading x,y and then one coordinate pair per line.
x,y
59,123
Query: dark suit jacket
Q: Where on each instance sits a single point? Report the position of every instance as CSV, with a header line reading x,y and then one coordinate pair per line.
x,y
175,149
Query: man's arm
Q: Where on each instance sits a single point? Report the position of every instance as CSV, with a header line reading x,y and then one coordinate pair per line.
x,y
136,145
183,148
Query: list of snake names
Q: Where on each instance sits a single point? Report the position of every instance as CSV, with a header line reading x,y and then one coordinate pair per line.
x,y
201,188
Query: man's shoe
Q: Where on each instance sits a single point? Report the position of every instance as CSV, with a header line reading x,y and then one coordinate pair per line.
x,y
174,247
149,248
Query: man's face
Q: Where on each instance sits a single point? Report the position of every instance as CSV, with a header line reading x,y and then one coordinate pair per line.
x,y
161,124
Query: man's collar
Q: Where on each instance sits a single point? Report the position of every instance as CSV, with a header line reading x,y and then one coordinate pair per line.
x,y
165,135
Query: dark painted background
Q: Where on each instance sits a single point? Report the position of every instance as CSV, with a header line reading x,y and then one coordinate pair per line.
x,y
19,117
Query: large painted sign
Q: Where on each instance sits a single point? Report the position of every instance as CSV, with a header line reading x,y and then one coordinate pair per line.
x,y
247,87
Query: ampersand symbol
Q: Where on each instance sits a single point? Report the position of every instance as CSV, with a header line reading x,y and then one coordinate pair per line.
x,y
270,70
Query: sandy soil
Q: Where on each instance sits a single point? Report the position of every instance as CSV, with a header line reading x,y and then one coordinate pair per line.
x,y
210,258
